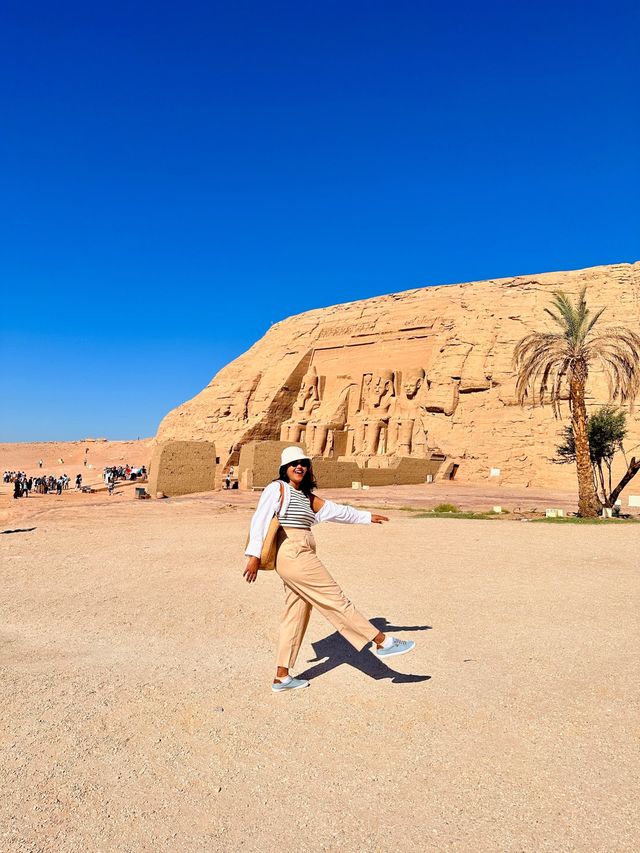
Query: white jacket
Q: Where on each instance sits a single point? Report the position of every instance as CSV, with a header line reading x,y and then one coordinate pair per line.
x,y
268,505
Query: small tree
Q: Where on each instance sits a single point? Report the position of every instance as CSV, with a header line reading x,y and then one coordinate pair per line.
x,y
606,430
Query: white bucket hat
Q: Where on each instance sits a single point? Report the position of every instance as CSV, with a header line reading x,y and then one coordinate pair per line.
x,y
291,454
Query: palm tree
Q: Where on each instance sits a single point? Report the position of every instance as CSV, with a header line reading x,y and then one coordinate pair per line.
x,y
553,362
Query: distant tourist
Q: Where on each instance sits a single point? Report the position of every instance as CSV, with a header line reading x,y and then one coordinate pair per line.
x,y
78,481
307,582
227,481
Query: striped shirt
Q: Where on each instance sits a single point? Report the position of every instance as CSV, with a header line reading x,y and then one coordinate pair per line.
x,y
299,513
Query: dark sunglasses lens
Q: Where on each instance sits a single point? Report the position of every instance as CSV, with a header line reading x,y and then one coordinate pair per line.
x,y
303,463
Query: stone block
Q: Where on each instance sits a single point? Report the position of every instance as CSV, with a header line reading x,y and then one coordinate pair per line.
x,y
259,463
182,467
333,474
405,472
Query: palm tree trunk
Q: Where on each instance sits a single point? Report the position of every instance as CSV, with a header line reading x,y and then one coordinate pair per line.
x,y
588,503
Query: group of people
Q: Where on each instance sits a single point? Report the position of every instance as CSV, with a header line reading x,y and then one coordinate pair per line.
x,y
24,484
113,473
123,472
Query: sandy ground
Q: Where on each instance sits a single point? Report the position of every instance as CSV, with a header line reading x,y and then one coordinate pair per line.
x,y
98,453
137,714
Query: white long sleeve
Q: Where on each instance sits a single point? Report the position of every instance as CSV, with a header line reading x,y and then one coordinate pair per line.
x,y
267,506
342,514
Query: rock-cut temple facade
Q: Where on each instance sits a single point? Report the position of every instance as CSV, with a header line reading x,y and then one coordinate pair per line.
x,y
423,374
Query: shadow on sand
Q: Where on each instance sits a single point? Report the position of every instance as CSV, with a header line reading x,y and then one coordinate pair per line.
x,y
338,651
19,530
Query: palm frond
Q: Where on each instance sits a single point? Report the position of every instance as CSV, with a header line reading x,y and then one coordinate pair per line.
x,y
569,315
559,384
594,320
617,350
556,319
538,359
544,361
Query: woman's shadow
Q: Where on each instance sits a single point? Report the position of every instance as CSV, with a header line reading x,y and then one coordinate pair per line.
x,y
337,651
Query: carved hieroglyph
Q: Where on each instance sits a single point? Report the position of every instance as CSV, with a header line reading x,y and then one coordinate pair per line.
x,y
405,374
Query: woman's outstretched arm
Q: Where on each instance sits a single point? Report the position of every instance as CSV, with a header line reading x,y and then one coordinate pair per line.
x,y
342,514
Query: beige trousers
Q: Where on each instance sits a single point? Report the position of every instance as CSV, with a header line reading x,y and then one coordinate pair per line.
x,y
308,584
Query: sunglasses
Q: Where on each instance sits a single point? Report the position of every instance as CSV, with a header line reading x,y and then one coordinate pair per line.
x,y
303,463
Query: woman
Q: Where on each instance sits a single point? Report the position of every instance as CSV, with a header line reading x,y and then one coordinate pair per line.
x,y
307,582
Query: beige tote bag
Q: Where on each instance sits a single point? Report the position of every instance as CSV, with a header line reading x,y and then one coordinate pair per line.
x,y
270,544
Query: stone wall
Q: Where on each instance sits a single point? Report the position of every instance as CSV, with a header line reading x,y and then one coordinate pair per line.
x,y
336,475
406,471
260,461
182,467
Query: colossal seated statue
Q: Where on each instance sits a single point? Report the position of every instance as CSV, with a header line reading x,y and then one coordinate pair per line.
x,y
406,434
307,401
328,419
377,403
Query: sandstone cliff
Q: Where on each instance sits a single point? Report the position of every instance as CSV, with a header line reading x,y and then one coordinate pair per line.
x,y
460,336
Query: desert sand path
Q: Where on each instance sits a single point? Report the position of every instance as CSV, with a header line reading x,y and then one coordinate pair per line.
x,y
137,716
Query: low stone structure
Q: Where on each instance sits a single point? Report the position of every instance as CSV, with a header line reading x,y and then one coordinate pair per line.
x,y
182,467
259,463
260,460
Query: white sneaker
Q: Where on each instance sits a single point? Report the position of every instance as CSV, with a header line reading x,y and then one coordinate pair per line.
x,y
291,684
397,647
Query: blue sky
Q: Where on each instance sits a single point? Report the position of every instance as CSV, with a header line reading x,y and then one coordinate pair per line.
x,y
176,177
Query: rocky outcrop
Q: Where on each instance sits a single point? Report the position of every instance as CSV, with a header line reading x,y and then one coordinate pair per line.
x,y
406,374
